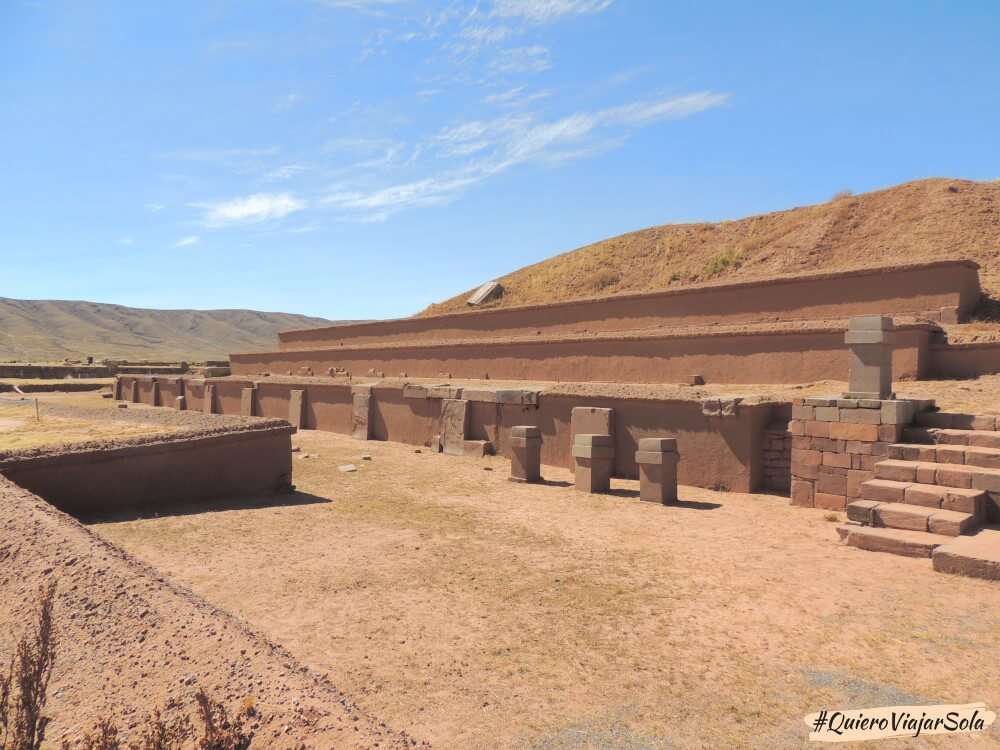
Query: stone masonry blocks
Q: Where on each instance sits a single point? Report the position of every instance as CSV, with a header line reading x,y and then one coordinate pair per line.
x,y
592,420
526,454
592,457
657,461
831,460
454,425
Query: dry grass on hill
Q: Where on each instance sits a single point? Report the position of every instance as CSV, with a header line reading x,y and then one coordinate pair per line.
x,y
923,220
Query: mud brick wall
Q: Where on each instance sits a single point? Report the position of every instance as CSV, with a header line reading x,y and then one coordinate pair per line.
x,y
836,444
776,457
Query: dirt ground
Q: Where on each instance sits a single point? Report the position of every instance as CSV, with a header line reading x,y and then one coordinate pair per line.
x,y
477,613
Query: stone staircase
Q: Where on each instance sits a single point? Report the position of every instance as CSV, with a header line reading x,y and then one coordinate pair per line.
x,y
933,487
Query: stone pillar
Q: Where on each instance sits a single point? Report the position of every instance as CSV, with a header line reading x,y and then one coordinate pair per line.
x,y
209,404
593,456
592,420
869,338
134,392
246,402
156,393
657,459
297,408
525,454
361,397
116,390
180,403
454,424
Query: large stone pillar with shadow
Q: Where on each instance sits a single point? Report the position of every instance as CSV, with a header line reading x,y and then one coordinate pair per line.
x,y
869,339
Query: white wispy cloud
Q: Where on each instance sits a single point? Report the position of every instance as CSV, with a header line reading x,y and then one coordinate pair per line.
x,y
533,59
375,7
155,207
543,11
497,145
192,239
515,97
285,172
250,209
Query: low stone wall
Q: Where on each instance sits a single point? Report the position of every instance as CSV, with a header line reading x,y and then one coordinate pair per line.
x,y
759,356
922,289
721,443
176,467
54,372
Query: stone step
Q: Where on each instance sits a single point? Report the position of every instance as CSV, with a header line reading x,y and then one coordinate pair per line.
x,y
977,556
953,420
978,438
927,495
988,458
912,517
894,541
946,475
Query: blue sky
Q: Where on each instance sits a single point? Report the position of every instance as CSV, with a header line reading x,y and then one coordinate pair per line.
x,y
363,158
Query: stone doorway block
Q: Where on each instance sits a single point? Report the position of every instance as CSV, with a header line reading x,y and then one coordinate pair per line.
x,y
361,413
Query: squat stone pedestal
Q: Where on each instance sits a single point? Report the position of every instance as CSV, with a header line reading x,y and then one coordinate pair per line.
x,y
525,454
869,338
593,457
657,460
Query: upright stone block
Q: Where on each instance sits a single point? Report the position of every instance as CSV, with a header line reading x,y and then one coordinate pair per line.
x,y
297,408
592,420
657,460
593,456
156,394
869,338
134,392
454,423
208,406
247,402
180,403
361,413
526,454
116,390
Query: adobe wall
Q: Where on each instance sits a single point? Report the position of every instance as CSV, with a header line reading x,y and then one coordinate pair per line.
x,y
915,289
770,356
180,467
964,360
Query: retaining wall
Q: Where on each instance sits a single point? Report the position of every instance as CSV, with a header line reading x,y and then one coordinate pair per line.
x,y
750,356
174,468
964,360
716,451
923,288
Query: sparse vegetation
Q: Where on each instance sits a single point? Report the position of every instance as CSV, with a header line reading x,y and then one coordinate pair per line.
x,y
24,689
602,279
730,259
24,692
841,194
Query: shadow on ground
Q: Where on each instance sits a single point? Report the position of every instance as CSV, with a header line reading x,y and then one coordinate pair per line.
x,y
186,508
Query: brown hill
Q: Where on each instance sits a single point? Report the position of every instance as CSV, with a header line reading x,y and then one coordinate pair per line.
x,y
46,330
923,220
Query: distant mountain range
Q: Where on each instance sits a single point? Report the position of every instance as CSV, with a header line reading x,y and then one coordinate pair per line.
x,y
52,330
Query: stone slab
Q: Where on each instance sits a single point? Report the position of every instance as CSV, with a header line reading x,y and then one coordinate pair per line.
x,y
454,424
894,541
974,556
297,408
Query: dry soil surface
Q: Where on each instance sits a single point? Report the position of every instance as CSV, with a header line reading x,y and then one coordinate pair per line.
x,y
916,221
129,641
478,613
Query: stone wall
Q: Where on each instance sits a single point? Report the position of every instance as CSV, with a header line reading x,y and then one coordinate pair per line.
x,y
836,443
